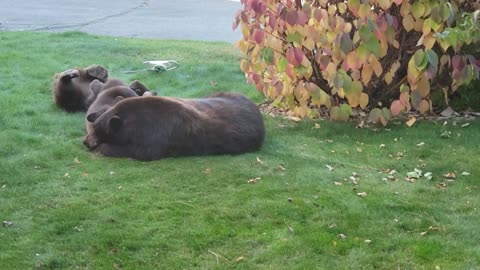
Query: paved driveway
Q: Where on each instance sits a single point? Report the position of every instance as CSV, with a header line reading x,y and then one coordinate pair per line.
x,y
164,19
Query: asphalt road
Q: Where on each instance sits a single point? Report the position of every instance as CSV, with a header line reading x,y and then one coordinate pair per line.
x,y
209,20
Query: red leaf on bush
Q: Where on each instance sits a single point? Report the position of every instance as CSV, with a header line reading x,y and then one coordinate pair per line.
x,y
272,21
291,17
302,18
294,56
396,107
458,63
258,36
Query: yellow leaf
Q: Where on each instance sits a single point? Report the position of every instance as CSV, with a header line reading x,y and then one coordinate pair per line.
x,y
309,44
367,72
429,41
388,78
342,7
419,25
408,22
364,10
363,100
405,9
411,121
377,67
424,106
423,85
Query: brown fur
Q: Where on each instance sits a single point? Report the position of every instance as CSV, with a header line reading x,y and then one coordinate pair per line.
x,y
71,89
149,128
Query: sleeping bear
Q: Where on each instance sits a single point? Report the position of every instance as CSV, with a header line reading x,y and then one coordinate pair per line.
x,y
71,88
151,128
109,93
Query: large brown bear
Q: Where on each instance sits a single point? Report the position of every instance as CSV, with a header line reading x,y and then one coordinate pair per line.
x,y
150,128
72,91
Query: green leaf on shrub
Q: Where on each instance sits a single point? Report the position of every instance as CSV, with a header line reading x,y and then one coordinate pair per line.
x,y
281,64
266,54
420,59
432,57
295,38
418,9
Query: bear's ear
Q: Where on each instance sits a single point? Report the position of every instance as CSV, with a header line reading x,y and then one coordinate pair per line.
x,y
94,116
115,123
118,99
96,86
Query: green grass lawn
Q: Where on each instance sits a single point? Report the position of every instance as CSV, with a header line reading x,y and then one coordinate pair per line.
x,y
72,209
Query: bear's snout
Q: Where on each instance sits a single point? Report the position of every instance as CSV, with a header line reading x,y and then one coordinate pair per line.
x,y
90,142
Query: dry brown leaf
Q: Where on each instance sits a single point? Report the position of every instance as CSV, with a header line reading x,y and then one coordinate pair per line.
x,y
441,185
450,175
316,126
281,167
411,121
360,124
253,180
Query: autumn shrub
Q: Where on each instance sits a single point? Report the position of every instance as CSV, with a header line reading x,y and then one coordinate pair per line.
x,y
382,56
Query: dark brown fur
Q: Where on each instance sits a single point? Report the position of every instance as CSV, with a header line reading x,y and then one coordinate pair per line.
x,y
71,89
150,128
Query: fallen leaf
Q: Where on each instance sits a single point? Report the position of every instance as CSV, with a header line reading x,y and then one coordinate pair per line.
x,y
241,258
367,241
428,175
259,160
446,134
338,183
290,200
294,118
441,185
207,170
84,174
253,180
411,121
316,126
67,175
360,124
465,125
450,175
290,229
329,141
392,172
330,168
359,149
423,233
4,186
112,173
117,266
421,144
382,145
465,173
120,187
362,194
213,83
281,167
75,160
395,140
7,223
342,236
447,112
415,174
